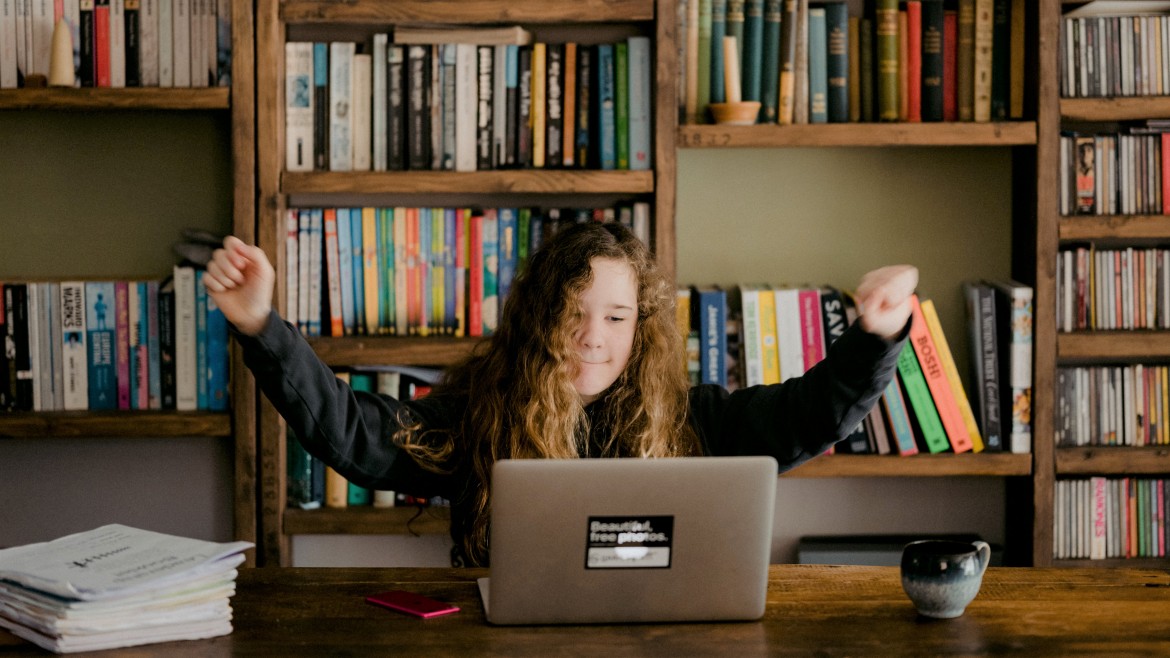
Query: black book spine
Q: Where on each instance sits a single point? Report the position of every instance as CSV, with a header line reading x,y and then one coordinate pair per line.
x,y
166,344
485,57
554,105
395,108
320,107
85,72
837,60
584,102
932,60
418,110
1001,68
511,112
22,358
131,21
524,113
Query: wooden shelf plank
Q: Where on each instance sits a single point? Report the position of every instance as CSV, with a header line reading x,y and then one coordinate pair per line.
x,y
368,521
1113,460
1107,227
386,350
1160,563
467,12
1140,345
945,465
859,134
536,181
131,98
106,424
1115,109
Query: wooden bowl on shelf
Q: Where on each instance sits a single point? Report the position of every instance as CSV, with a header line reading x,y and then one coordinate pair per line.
x,y
739,113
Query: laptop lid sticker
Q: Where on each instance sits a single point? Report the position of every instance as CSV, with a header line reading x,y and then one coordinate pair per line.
x,y
624,542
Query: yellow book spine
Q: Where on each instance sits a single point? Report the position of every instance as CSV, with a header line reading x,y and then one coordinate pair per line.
x,y
462,258
771,351
948,363
370,268
1165,406
682,319
537,113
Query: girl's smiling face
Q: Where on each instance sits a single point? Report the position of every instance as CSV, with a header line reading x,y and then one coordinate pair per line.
x,y
608,319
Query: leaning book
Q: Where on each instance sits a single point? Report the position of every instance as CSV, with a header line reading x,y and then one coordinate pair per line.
x,y
117,586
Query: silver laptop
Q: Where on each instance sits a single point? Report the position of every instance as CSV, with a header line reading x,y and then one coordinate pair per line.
x,y
629,540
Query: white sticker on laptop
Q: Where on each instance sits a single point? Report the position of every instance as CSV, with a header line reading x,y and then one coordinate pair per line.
x,y
623,542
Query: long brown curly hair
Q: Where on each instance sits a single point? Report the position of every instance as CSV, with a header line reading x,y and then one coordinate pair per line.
x,y
521,403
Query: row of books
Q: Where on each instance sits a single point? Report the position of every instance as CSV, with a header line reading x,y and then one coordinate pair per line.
x,y
1121,54
1124,288
120,43
1121,173
1113,405
124,345
1099,518
752,335
465,106
900,60
312,484
417,271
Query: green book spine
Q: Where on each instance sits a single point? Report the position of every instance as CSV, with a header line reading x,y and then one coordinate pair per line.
x,y
621,102
919,395
704,48
865,40
1001,70
386,268
736,11
770,62
718,31
965,54
818,77
886,49
837,60
751,49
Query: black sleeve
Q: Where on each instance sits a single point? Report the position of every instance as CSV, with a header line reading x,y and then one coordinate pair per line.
x,y
800,418
348,430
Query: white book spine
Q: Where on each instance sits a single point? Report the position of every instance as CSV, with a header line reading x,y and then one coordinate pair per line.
x,y
333,271
378,120
753,354
315,253
186,367
196,43
42,35
436,108
292,254
23,36
788,334
8,44
34,343
642,222
52,303
639,81
181,42
74,353
340,114
117,43
148,43
466,106
298,106
360,108
166,43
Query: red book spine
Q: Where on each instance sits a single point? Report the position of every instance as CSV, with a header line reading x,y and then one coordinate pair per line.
x,y
950,66
1166,173
811,327
936,381
122,342
914,59
101,45
461,272
475,278
333,273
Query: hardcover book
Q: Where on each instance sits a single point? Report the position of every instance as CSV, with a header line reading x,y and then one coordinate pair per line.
x,y
298,110
936,380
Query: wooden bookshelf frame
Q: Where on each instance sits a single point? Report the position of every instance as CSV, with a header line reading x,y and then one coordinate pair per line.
x,y
1007,133
131,98
894,466
108,424
368,521
1113,460
1113,345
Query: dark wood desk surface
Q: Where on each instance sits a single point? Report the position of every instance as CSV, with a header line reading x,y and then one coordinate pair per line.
x,y
829,611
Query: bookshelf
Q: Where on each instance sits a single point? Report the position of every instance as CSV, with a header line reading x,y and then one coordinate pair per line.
x,y
1055,349
232,110
278,21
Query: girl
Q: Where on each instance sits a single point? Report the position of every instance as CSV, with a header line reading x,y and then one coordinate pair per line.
x,y
585,363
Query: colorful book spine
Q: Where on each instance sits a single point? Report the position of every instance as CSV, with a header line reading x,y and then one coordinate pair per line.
x,y
607,135
639,100
154,354
321,106
357,282
918,393
122,342
201,360
386,269
491,271
475,276
538,106
621,104
894,406
913,49
886,59
333,271
930,315
770,352
936,380
711,311
101,327
217,358
370,299
811,327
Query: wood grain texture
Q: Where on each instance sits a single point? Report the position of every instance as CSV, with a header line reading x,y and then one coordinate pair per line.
x,y
533,181
404,351
466,12
811,610
369,521
1115,109
1104,345
107,424
133,98
1113,460
1115,227
1015,133
940,465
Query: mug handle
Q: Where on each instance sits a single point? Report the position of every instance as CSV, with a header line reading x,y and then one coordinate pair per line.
x,y
984,551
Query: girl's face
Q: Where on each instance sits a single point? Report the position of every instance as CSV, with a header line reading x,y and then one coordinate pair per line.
x,y
605,336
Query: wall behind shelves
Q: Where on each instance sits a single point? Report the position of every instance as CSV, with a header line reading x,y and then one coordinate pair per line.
x,y
830,215
104,195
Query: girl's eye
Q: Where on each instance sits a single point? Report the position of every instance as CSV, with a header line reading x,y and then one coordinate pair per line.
x,y
615,318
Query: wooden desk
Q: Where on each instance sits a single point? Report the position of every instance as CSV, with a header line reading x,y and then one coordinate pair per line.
x,y
831,611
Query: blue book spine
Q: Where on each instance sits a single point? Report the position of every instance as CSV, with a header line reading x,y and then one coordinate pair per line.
x,y
141,371
100,327
133,313
751,75
508,251
491,271
639,99
450,246
317,254
356,281
770,66
321,106
217,358
154,376
201,400
818,75
837,60
713,334
607,133
345,262
718,31
425,229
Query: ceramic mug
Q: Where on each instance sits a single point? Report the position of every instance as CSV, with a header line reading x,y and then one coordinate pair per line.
x,y
942,576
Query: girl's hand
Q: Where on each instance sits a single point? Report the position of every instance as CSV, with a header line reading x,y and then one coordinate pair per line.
x,y
240,280
884,299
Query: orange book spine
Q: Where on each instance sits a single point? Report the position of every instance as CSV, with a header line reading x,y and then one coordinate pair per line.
x,y
936,381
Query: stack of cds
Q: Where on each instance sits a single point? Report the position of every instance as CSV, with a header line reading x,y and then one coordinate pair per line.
x,y
117,586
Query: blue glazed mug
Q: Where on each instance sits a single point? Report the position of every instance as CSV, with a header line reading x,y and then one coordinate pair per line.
x,y
941,576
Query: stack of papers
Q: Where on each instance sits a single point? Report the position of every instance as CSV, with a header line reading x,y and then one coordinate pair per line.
x,y
118,586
